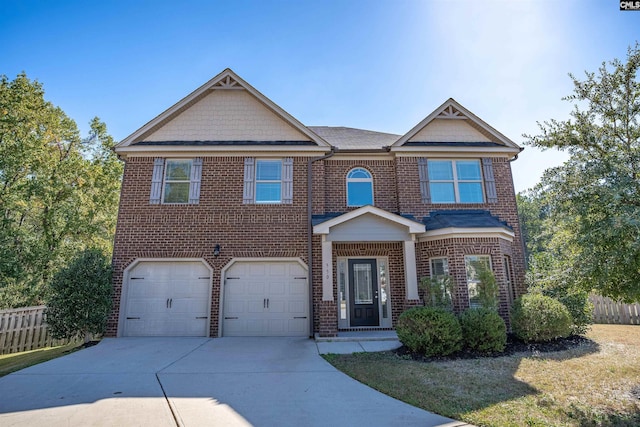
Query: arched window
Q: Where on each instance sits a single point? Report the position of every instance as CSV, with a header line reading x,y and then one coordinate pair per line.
x,y
359,187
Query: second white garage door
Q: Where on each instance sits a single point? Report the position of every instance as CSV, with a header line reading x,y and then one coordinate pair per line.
x,y
266,298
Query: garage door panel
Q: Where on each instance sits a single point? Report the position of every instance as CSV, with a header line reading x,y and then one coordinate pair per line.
x,y
254,307
255,282
277,288
297,326
277,307
255,288
297,307
167,298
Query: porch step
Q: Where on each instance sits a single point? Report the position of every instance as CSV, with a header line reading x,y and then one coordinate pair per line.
x,y
360,336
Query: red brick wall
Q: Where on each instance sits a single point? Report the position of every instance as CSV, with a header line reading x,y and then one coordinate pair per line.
x,y
409,201
384,183
455,250
177,231
244,230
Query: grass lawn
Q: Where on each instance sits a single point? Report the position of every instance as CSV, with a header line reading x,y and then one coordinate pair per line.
x,y
594,384
14,362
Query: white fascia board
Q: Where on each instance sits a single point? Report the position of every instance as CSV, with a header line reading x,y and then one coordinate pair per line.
x,y
209,86
455,232
227,150
452,151
413,226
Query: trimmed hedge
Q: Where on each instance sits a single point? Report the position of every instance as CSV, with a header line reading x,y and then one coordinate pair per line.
x,y
483,330
537,318
430,331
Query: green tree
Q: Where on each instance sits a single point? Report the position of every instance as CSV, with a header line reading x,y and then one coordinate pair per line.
x,y
58,192
594,198
79,297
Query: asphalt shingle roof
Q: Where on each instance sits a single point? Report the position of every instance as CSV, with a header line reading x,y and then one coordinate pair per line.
x,y
472,218
351,138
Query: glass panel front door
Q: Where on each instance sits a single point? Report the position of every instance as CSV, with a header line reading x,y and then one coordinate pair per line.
x,y
363,292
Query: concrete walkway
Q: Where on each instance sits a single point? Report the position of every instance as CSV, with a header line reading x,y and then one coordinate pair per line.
x,y
198,382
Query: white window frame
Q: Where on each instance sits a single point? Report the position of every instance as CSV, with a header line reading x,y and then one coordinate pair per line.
x,y
267,181
474,281
369,180
166,181
455,181
431,269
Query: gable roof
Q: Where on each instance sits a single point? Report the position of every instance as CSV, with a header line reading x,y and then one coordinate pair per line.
x,y
452,110
325,226
226,80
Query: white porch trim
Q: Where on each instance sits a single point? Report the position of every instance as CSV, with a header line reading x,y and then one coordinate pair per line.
x,y
410,272
327,269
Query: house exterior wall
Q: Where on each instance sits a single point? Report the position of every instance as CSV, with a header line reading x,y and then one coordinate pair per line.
x,y
385,192
192,231
455,250
410,202
280,230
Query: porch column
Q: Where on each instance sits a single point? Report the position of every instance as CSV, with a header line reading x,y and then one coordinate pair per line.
x,y
410,272
327,269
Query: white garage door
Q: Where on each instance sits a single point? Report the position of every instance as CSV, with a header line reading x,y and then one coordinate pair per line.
x,y
168,299
266,298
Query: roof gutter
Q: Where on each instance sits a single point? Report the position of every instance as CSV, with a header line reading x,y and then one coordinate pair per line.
x,y
310,163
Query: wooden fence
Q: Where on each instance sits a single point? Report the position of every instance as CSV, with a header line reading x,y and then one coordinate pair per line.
x,y
23,329
605,310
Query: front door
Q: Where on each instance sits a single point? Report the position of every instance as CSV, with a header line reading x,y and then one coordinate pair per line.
x,y
363,292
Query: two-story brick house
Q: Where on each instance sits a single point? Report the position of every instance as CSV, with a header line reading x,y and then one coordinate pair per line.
x,y
237,219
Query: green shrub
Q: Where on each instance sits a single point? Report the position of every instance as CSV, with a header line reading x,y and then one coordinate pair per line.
x,y
79,297
487,289
430,331
483,330
438,291
536,317
578,304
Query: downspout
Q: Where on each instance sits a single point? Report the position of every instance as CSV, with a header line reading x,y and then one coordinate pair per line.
x,y
310,163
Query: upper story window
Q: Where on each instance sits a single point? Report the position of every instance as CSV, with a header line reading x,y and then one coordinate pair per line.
x,y
176,181
455,181
359,187
268,181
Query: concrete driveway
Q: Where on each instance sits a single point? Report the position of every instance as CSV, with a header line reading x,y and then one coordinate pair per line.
x,y
198,382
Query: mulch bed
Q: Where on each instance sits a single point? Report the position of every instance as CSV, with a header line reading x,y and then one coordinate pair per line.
x,y
514,345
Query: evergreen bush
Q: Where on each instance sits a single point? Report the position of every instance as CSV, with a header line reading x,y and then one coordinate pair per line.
x,y
430,331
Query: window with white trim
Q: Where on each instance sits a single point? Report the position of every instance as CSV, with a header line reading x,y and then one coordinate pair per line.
x,y
439,267
176,181
455,181
268,181
359,187
474,264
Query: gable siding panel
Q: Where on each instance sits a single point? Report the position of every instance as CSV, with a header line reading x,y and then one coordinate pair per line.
x,y
231,115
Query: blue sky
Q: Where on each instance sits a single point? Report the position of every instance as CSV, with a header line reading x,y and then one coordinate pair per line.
x,y
371,64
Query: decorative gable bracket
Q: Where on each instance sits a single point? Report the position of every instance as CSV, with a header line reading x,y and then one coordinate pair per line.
x,y
227,83
451,113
